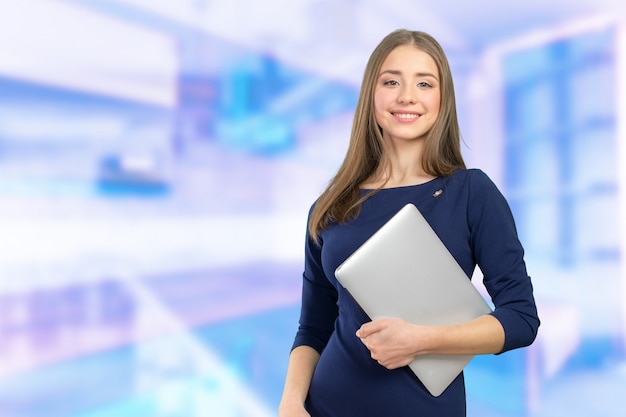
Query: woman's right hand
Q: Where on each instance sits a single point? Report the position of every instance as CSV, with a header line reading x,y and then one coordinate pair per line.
x,y
302,362
292,409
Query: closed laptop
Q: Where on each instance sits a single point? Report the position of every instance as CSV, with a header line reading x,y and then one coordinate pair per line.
x,y
405,271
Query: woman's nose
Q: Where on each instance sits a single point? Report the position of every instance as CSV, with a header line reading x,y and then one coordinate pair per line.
x,y
407,96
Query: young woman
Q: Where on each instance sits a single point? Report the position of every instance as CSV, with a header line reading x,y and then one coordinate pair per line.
x,y
404,148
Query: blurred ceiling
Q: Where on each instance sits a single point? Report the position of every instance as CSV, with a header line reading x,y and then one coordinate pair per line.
x,y
483,22
335,37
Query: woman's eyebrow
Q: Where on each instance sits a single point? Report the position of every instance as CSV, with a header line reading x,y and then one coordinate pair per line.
x,y
419,74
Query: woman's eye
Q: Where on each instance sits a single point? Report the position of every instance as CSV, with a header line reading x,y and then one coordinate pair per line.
x,y
424,84
390,82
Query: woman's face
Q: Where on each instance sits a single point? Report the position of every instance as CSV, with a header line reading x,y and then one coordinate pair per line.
x,y
407,94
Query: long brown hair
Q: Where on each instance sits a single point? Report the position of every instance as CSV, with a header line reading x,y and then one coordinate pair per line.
x,y
342,199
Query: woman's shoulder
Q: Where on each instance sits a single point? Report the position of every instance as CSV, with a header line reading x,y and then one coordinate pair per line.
x,y
474,177
475,183
470,173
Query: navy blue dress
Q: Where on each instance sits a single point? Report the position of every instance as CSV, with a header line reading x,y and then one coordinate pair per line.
x,y
474,221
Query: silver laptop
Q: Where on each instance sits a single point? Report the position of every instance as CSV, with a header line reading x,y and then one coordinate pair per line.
x,y
405,271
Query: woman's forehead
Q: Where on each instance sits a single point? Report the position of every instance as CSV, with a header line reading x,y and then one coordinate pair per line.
x,y
409,58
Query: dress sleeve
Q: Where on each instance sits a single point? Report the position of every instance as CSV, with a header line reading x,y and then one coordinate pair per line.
x,y
319,301
500,256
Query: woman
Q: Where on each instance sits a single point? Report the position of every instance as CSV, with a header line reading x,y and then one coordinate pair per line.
x,y
404,148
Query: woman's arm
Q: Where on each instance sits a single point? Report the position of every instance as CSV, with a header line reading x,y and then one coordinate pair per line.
x,y
317,318
395,342
302,362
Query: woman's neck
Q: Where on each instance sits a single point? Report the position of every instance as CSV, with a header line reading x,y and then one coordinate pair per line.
x,y
394,181
390,175
400,165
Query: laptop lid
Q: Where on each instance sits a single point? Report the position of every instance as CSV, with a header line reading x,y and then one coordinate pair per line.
x,y
405,271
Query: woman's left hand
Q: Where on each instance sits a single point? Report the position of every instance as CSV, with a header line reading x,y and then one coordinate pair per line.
x,y
394,343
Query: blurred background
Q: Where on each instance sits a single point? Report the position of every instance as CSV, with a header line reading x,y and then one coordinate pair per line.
x,y
158,159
